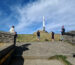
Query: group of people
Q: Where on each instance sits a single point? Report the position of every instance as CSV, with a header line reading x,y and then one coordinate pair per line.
x,y
12,30
52,34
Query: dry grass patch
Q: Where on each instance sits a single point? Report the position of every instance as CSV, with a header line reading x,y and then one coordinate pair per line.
x,y
61,58
33,37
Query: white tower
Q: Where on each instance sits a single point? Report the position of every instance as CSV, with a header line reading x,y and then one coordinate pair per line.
x,y
43,23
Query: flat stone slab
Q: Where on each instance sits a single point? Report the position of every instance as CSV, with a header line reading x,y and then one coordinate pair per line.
x,y
36,62
44,50
38,53
4,45
42,62
71,60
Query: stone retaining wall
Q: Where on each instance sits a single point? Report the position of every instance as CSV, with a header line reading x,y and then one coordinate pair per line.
x,y
6,37
70,37
7,47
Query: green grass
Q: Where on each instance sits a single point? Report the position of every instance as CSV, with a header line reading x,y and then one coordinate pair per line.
x,y
61,58
33,38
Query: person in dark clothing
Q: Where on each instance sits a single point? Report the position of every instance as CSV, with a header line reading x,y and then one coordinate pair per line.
x,y
15,36
38,35
62,33
63,30
52,36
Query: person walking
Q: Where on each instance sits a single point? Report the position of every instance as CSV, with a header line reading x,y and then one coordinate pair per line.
x,y
52,36
38,35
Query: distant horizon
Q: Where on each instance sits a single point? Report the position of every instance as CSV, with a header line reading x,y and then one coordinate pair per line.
x,y
27,15
39,30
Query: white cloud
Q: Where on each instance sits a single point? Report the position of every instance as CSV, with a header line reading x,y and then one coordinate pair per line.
x,y
56,12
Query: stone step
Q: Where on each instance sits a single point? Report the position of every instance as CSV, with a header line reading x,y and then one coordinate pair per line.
x,y
22,61
41,57
71,60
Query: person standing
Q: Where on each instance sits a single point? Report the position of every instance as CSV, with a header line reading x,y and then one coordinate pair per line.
x,y
15,36
52,36
12,30
62,32
38,35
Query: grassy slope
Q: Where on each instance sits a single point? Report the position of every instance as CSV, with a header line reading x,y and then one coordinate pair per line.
x,y
33,37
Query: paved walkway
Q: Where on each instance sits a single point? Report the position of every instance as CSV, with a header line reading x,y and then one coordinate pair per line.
x,y
37,53
47,49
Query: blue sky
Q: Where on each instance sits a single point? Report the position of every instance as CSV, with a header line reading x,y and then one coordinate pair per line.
x,y
27,15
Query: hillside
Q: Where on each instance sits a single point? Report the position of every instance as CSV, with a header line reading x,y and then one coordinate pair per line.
x,y
33,38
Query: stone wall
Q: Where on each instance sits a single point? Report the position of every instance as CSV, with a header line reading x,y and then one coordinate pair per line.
x,y
7,47
70,37
6,37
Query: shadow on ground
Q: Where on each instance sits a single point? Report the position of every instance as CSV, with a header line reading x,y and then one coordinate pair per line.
x,y
17,58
